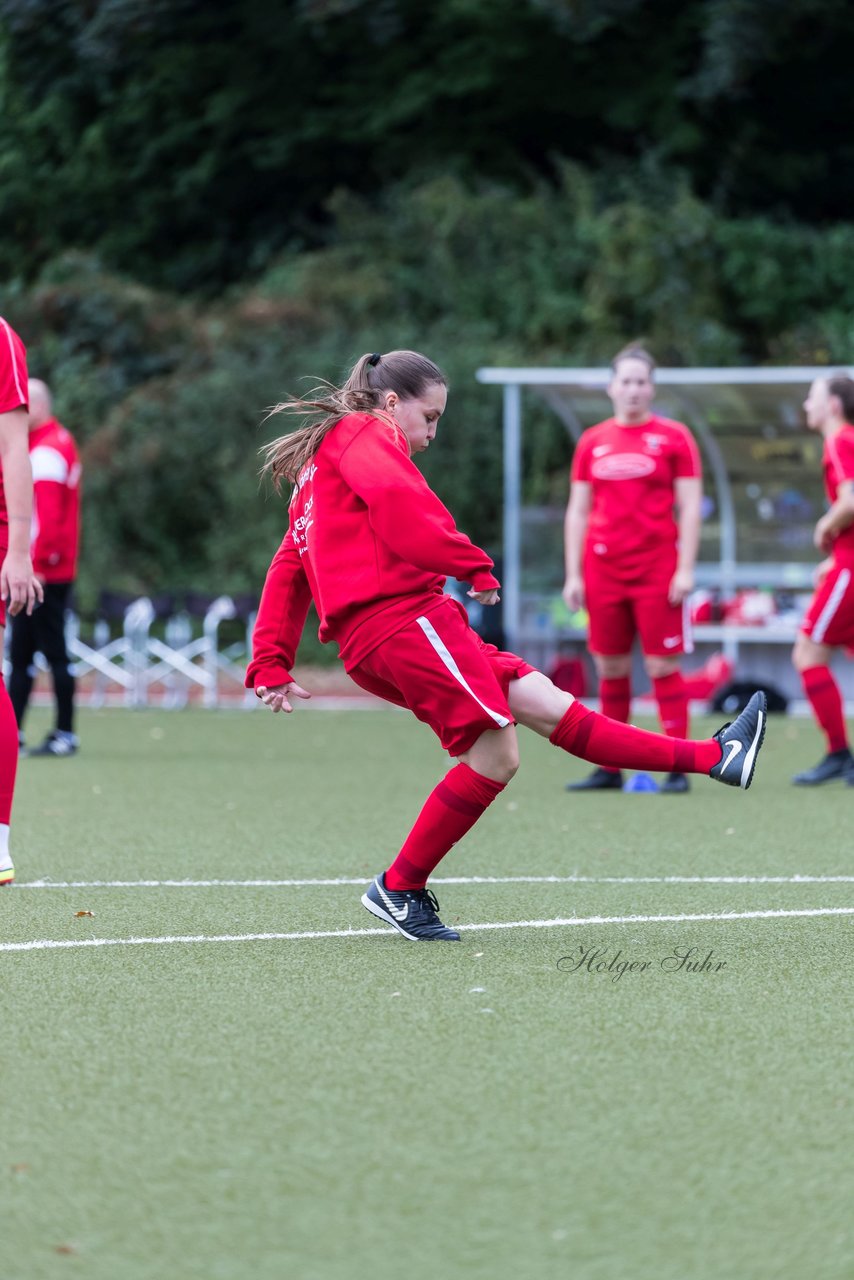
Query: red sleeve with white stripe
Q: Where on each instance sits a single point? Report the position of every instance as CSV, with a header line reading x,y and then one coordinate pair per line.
x,y
405,512
50,478
13,370
281,618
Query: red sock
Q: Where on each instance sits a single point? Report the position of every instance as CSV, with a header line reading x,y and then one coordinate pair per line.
x,y
8,753
605,742
826,702
672,702
615,695
450,811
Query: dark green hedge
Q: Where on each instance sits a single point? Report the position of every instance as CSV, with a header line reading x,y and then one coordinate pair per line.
x,y
168,393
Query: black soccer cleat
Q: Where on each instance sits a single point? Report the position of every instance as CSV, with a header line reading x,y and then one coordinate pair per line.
x,y
411,911
835,765
598,780
59,743
675,784
740,742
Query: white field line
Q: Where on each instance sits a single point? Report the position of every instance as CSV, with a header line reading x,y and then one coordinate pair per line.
x,y
47,944
361,880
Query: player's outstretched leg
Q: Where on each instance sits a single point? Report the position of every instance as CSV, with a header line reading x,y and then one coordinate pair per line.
x,y
615,702
740,742
537,703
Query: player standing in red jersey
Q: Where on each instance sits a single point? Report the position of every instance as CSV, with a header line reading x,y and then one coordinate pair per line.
x,y
829,620
55,542
18,584
370,543
631,536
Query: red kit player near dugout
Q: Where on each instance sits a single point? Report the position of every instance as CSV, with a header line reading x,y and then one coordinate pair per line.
x,y
19,586
631,536
829,620
55,541
371,544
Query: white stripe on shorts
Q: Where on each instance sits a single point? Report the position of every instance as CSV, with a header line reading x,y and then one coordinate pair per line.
x,y
447,657
687,627
833,602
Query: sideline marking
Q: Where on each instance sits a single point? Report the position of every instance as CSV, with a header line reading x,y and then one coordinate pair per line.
x,y
47,944
348,880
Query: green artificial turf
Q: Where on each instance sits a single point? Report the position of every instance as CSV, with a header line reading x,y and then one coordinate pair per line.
x,y
334,1108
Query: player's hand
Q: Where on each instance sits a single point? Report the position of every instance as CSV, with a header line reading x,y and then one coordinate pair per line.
x,y
821,571
18,584
277,698
822,537
681,586
484,597
573,594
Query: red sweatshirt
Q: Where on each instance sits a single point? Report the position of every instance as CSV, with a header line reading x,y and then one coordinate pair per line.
x,y
56,502
838,463
13,391
368,541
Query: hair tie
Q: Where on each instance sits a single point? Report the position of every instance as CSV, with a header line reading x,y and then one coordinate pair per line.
x,y
374,360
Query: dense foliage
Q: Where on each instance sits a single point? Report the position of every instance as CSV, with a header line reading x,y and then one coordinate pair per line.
x,y
188,142
202,206
169,393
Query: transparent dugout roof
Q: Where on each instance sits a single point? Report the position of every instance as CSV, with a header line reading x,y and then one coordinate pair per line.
x,y
771,461
763,487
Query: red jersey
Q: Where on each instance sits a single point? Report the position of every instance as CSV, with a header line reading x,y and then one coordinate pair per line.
x,y
631,471
13,385
56,502
838,465
368,541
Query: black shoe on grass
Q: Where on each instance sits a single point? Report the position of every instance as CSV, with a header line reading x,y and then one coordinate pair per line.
x,y
740,742
411,911
675,784
599,780
835,765
59,743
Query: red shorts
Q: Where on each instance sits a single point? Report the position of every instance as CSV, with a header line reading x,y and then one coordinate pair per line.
x,y
830,616
619,611
440,669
